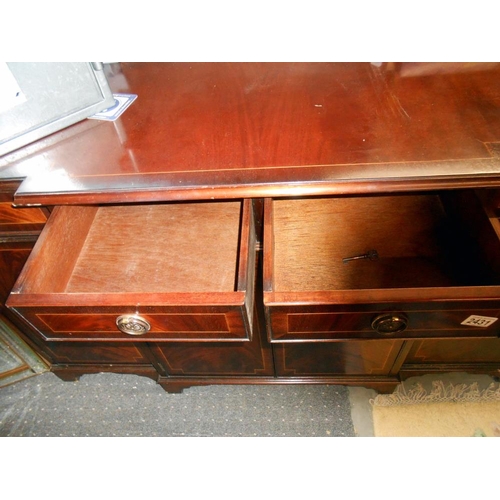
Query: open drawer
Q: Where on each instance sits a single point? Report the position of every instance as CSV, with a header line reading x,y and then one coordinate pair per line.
x,y
161,272
434,269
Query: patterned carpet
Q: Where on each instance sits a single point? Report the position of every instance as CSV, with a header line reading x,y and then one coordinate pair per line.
x,y
109,404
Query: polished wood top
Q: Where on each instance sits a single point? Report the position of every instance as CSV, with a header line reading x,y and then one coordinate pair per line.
x,y
230,130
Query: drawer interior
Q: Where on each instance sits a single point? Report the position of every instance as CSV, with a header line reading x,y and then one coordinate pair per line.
x,y
422,240
160,248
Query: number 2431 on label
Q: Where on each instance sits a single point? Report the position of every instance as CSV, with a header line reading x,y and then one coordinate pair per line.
x,y
482,321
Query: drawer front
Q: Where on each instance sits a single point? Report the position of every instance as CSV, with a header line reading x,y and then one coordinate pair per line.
x,y
406,266
20,219
455,351
98,274
19,230
362,357
89,353
155,324
13,254
222,359
323,323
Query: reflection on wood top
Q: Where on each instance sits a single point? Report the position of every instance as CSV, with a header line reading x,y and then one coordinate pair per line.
x,y
227,130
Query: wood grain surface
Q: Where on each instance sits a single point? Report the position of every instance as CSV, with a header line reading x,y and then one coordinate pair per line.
x,y
160,248
409,233
229,130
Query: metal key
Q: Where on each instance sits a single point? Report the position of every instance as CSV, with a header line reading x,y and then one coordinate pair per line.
x,y
371,255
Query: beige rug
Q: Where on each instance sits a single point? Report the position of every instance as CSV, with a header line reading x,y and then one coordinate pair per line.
x,y
443,410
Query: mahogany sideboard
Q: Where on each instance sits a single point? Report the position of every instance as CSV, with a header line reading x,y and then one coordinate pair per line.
x,y
264,223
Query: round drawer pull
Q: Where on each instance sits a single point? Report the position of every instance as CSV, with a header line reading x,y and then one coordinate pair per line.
x,y
132,324
387,324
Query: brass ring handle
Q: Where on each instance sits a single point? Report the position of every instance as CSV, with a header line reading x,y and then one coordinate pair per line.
x,y
387,324
132,324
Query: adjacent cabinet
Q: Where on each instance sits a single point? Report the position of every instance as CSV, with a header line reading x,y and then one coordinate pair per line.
x,y
264,224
